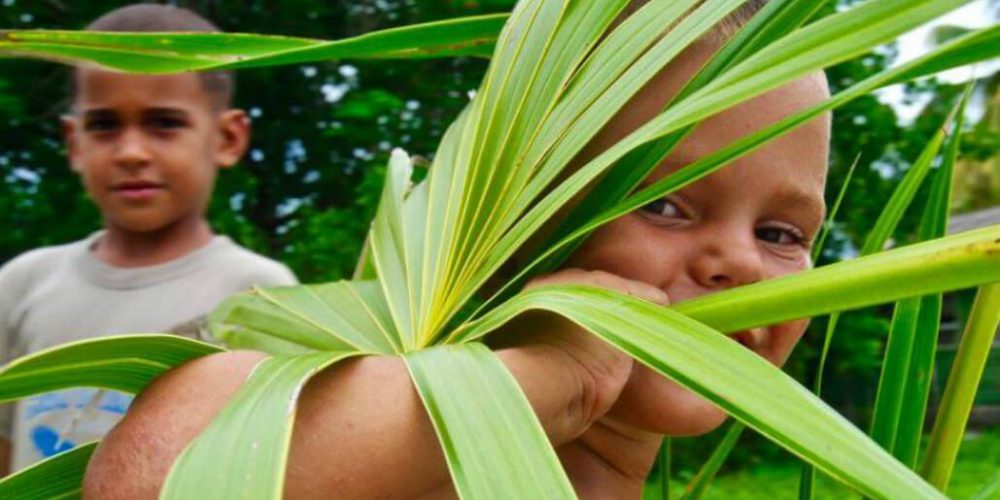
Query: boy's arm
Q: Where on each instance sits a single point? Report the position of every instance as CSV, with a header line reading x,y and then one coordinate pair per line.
x,y
362,418
355,422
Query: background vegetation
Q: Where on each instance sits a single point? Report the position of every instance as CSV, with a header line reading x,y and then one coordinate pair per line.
x,y
322,133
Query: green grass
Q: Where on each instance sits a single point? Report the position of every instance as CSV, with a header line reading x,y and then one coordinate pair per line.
x,y
978,459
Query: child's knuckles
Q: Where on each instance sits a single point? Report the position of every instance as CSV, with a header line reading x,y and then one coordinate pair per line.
x,y
601,380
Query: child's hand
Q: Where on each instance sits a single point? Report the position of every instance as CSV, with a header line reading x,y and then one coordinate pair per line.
x,y
621,438
604,450
649,401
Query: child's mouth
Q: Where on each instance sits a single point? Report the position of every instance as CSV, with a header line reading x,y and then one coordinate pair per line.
x,y
137,190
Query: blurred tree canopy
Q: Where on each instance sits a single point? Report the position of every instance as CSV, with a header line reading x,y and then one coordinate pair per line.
x,y
322,132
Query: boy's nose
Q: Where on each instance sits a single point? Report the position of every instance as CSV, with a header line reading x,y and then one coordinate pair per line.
x,y
131,150
728,262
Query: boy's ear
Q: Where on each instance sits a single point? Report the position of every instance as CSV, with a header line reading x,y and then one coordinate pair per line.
x,y
234,137
70,126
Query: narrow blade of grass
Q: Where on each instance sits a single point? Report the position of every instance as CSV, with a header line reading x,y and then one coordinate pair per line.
x,y
699,485
990,489
960,391
898,372
831,218
918,381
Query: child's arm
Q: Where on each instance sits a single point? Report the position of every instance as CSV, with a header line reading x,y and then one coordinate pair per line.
x,y
355,422
362,418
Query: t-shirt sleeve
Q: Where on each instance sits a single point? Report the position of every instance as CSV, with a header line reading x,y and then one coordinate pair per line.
x,y
269,273
12,277
283,276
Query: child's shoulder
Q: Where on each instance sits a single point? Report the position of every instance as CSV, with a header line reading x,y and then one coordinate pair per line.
x,y
254,267
37,262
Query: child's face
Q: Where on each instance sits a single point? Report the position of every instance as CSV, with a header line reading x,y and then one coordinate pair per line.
x,y
147,147
753,220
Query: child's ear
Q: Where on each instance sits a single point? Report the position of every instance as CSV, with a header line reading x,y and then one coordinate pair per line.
x,y
234,137
70,127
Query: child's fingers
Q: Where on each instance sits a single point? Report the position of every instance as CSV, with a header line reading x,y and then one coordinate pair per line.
x,y
602,279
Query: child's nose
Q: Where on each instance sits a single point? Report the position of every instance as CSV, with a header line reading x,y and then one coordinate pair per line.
x,y
131,149
727,263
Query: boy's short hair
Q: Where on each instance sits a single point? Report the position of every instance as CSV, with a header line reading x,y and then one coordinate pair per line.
x,y
728,27
146,18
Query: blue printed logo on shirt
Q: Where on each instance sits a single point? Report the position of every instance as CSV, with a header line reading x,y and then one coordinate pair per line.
x,y
47,442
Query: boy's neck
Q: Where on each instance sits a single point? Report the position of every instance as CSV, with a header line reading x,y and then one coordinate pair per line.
x,y
120,247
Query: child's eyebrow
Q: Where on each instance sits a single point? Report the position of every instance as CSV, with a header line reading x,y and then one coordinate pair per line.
x,y
165,111
803,201
99,113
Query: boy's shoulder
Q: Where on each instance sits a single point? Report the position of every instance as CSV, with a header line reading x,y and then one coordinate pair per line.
x,y
253,267
35,263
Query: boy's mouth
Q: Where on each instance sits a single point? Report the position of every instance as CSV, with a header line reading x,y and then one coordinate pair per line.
x,y
137,190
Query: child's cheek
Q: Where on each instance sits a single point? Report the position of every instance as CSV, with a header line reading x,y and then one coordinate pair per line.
x,y
782,340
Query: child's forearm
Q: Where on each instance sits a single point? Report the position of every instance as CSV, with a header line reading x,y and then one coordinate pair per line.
x,y
360,432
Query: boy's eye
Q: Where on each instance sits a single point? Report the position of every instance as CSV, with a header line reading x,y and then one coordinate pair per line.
x,y
166,122
663,207
780,235
100,124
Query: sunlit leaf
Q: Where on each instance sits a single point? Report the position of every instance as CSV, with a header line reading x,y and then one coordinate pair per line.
x,y
125,363
494,444
244,451
55,478
743,384
175,52
960,391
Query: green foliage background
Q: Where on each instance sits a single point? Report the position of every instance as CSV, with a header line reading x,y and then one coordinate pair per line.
x,y
322,133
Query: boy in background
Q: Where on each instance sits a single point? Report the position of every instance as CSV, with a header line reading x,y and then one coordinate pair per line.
x,y
147,149
752,221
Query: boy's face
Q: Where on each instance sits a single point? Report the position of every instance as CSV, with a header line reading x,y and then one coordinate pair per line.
x,y
147,147
753,220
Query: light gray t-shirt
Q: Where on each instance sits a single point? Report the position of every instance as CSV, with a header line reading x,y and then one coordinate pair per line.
x,y
61,294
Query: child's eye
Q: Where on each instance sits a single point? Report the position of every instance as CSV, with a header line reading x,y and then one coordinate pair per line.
x,y
166,123
781,235
663,207
100,125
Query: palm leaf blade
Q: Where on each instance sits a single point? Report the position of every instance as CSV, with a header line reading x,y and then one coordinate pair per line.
x,y
244,450
55,478
125,363
175,52
742,383
494,444
952,263
341,316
